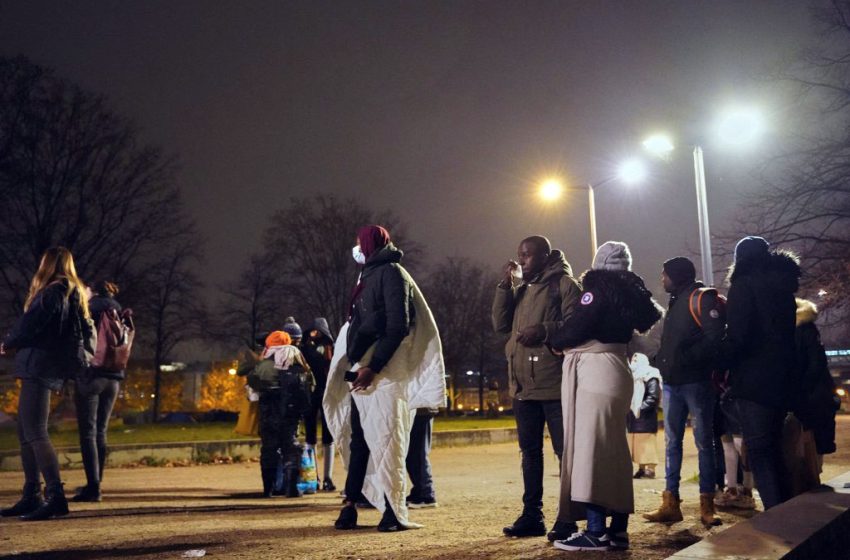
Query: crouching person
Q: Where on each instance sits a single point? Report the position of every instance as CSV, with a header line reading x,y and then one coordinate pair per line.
x,y
284,382
391,350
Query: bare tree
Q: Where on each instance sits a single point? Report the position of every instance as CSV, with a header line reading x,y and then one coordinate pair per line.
x,y
460,295
310,242
72,173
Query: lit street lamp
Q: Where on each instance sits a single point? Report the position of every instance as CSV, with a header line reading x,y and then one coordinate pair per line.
x,y
736,127
630,171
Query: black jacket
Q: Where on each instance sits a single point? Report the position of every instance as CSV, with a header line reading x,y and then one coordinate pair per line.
x,y
383,311
814,403
613,305
40,338
647,422
318,361
688,353
98,305
759,345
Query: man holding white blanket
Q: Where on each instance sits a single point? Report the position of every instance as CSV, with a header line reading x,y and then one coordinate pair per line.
x,y
391,347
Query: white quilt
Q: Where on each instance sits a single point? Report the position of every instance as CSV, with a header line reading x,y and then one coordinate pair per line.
x,y
413,378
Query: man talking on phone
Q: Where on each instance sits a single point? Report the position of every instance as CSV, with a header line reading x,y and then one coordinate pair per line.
x,y
536,295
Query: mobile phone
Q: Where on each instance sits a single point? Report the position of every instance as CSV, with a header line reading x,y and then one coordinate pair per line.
x,y
350,376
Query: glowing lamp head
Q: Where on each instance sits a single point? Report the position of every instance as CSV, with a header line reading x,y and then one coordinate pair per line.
x,y
659,144
232,371
632,171
739,126
551,189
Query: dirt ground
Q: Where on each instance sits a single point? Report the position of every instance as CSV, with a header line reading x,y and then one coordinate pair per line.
x,y
158,513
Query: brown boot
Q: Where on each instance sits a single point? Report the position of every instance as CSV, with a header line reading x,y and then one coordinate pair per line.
x,y
670,510
706,510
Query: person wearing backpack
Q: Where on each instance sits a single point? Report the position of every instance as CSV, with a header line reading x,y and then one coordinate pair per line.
x,y
534,299
94,397
693,329
46,344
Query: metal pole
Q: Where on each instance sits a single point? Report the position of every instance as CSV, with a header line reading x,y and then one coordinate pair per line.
x,y
591,206
702,213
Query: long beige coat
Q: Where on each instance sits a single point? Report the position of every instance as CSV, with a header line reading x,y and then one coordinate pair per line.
x,y
596,468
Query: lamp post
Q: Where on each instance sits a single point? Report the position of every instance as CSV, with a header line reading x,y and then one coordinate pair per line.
x,y
631,171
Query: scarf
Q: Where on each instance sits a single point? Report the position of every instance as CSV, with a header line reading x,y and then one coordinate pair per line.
x,y
641,372
284,356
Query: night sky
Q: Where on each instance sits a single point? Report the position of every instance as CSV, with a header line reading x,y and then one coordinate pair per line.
x,y
448,113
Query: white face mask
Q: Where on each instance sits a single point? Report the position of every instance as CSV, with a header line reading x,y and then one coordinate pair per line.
x,y
358,255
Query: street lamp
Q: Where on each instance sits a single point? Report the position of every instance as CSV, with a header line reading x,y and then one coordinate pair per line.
x,y
630,171
736,126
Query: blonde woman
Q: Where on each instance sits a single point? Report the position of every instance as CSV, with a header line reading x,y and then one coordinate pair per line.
x,y
47,340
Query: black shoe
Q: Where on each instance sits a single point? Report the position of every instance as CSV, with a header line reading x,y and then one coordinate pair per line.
x,y
87,494
561,531
347,519
639,474
526,526
389,522
54,505
421,503
31,500
269,477
328,485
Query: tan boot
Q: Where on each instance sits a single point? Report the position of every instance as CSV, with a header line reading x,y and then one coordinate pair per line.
x,y
706,510
670,510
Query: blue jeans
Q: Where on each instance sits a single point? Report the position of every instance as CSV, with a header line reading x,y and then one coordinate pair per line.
x,y
762,427
596,521
531,418
699,400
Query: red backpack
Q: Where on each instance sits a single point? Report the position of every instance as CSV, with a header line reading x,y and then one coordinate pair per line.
x,y
695,305
115,334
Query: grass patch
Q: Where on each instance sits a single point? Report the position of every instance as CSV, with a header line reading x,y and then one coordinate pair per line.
x,y
65,434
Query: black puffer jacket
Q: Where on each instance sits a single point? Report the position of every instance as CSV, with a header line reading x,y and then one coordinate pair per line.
x,y
98,305
647,422
688,353
383,311
760,315
40,340
613,305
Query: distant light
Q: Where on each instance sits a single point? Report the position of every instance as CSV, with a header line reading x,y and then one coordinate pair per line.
x,y
152,395
840,392
470,372
632,171
232,371
477,409
822,293
659,144
740,125
551,189
460,406
501,409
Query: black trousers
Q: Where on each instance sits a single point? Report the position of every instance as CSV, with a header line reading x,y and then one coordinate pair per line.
x,y
358,460
94,401
762,426
418,459
37,452
310,422
531,418
278,429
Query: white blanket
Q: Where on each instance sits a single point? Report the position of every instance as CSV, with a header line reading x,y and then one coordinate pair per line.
x,y
413,378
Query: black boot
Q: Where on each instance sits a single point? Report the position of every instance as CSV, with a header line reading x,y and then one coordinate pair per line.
x,y
347,518
30,501
269,476
561,531
292,479
55,504
529,524
88,494
389,522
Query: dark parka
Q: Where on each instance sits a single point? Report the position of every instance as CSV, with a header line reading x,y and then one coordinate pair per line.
x,y
383,312
40,341
688,352
759,346
815,404
547,300
647,422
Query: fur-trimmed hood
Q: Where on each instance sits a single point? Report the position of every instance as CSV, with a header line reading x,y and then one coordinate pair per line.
x,y
807,311
781,270
628,293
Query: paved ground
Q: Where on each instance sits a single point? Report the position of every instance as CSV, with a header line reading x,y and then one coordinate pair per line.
x,y
158,513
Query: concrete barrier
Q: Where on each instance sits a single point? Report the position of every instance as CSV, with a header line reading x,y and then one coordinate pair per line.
x,y
201,451
814,525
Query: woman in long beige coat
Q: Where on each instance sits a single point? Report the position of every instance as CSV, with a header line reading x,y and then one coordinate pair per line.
x,y
596,392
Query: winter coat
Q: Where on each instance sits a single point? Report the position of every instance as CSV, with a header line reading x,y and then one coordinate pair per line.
x,y
548,300
613,305
647,422
383,311
759,346
688,352
41,340
814,404
98,305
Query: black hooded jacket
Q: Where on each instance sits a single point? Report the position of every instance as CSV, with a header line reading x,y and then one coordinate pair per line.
x,y
383,312
613,305
759,345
